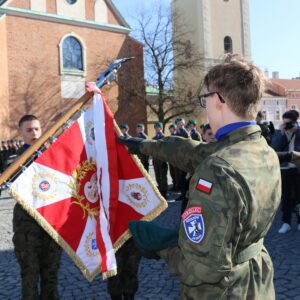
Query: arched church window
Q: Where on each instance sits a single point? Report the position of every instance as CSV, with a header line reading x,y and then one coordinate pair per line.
x,y
72,54
228,44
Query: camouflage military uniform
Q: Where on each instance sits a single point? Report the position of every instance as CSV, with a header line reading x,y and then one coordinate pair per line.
x,y
181,175
195,135
144,158
125,284
161,170
38,256
223,256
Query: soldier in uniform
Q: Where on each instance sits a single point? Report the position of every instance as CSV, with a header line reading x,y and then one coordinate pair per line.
x,y
125,129
125,284
172,130
37,253
1,159
4,153
208,135
181,176
160,167
141,134
232,197
194,133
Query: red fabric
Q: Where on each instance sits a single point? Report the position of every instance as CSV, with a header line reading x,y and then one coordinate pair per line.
x,y
69,222
125,214
66,153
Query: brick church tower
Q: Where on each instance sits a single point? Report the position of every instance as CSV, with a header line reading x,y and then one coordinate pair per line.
x,y
50,48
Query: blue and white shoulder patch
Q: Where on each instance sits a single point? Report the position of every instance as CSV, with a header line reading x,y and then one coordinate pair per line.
x,y
194,224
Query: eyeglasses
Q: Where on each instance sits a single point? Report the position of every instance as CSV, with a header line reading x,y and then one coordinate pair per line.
x,y
202,98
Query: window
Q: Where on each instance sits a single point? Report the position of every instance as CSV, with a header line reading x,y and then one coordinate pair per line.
x,y
294,107
72,54
71,1
277,115
228,44
264,113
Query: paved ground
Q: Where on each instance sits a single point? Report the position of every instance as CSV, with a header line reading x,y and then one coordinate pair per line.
x,y
155,281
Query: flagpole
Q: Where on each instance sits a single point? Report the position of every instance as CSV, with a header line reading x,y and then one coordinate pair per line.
x,y
105,77
20,161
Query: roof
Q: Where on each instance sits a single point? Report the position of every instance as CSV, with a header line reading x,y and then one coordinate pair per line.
x,y
151,90
112,6
288,84
118,14
274,89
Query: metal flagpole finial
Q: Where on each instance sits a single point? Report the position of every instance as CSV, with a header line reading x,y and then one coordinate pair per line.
x,y
110,74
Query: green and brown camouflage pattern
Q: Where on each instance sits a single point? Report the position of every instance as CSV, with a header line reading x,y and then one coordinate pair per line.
x,y
180,152
38,256
237,212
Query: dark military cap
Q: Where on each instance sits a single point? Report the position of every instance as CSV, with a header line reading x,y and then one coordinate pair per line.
x,y
172,126
124,126
158,124
179,120
140,125
192,122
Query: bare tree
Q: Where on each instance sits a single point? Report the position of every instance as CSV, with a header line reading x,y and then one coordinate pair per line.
x,y
168,53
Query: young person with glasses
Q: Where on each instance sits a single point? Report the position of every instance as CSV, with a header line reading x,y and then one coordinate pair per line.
x,y
233,194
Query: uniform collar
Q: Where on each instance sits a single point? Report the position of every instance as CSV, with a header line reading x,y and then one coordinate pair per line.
x,y
231,127
239,134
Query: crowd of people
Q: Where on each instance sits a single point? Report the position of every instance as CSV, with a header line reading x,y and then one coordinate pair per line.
x,y
9,149
178,128
284,139
229,187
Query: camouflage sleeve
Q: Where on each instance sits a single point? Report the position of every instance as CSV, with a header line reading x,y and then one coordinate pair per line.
x,y
210,226
184,154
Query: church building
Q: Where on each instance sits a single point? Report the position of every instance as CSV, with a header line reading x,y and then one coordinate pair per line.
x,y
50,48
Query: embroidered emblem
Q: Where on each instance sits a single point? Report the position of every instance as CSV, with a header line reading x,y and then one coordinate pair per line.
x,y
84,188
137,195
44,186
204,186
90,245
194,224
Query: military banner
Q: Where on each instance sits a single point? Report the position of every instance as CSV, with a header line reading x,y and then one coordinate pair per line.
x,y
85,188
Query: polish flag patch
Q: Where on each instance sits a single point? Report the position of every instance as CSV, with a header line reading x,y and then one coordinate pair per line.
x,y
204,186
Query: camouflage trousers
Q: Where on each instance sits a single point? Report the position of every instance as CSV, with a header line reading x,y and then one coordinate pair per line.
x,y
126,282
38,256
161,176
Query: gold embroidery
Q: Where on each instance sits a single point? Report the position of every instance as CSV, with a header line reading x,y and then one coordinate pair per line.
x,y
137,195
44,186
83,173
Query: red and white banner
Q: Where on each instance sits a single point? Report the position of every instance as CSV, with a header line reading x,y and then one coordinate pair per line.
x,y
85,188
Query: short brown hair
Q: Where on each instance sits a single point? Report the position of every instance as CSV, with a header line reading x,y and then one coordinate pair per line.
x,y
239,82
26,118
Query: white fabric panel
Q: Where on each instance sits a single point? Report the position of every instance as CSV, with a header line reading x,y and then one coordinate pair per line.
x,y
86,124
102,168
138,194
41,186
87,249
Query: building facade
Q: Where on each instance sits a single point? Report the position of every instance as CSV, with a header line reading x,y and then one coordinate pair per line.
x,y
50,48
212,28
